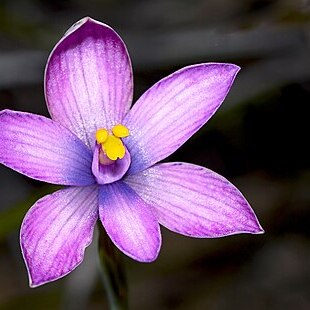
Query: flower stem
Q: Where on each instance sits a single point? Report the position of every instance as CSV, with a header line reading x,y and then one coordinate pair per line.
x,y
112,272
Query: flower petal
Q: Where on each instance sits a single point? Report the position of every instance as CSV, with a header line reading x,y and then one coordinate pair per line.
x,y
172,110
43,149
56,231
129,222
88,79
194,201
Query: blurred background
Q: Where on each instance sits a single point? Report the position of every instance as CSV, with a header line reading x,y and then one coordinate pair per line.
x,y
259,140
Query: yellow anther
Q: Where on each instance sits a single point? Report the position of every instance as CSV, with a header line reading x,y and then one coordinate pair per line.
x,y
120,131
111,144
101,135
113,147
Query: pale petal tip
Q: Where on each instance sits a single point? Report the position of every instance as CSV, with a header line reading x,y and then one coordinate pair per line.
x,y
259,230
148,258
33,284
255,228
39,282
83,22
79,23
236,67
7,111
232,68
36,281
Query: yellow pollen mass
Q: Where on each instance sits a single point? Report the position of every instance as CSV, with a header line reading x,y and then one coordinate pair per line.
x,y
111,144
101,135
120,131
113,148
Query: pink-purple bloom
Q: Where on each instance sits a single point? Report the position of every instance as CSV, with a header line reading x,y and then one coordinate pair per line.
x,y
89,86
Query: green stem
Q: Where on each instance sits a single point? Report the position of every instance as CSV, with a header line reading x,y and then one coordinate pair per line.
x,y
112,272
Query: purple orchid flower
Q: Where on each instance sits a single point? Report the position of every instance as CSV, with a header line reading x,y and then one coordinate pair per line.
x,y
107,155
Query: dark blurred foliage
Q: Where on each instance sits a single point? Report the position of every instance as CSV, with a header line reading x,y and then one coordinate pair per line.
x,y
259,140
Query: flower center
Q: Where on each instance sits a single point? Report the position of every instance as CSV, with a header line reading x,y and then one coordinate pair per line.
x,y
111,143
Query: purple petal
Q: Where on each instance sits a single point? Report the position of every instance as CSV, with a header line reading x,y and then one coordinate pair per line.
x,y
172,110
43,149
194,201
129,222
56,231
106,174
88,79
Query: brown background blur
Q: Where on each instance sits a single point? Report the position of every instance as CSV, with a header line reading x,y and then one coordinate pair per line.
x,y
259,140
